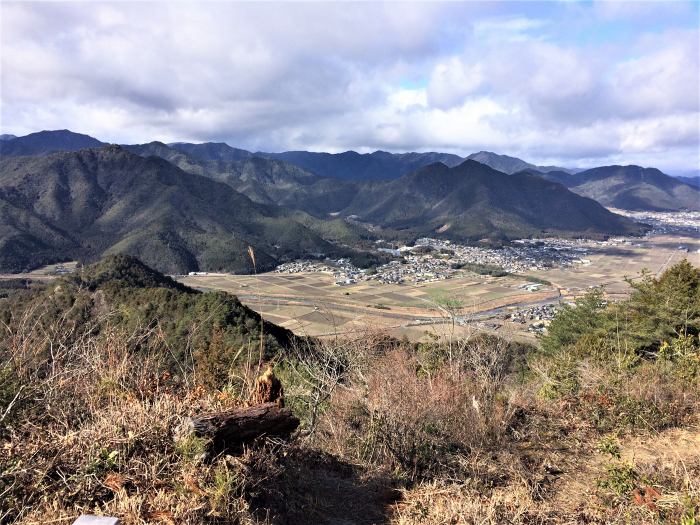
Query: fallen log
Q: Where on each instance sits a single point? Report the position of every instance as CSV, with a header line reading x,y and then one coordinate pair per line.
x,y
231,429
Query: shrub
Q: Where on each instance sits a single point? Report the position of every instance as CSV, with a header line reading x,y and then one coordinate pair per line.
x,y
413,421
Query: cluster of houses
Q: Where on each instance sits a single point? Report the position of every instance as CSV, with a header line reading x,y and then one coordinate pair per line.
x,y
666,222
537,317
435,259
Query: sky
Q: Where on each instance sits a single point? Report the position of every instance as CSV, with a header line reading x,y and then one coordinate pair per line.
x,y
574,84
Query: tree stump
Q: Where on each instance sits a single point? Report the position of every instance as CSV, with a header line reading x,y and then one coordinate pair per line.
x,y
267,389
229,430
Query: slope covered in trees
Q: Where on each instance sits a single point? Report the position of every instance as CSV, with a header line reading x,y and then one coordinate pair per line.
x,y
82,205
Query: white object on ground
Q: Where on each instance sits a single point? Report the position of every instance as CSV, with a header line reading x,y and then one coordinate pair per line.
x,y
86,519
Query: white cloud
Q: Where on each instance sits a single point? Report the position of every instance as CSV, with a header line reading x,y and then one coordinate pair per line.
x,y
326,77
452,81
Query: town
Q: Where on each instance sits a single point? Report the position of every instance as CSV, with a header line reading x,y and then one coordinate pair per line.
x,y
431,260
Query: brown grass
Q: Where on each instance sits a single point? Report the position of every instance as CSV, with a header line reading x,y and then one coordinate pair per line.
x,y
398,434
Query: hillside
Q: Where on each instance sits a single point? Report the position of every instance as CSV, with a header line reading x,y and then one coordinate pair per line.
x,y
597,424
508,164
353,166
472,201
7,136
691,181
634,188
136,296
44,142
98,201
415,204
263,180
211,151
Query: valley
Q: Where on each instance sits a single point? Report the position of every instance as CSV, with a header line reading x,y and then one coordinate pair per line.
x,y
315,299
350,263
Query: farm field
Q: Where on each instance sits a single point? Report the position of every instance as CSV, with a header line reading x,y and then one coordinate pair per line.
x,y
311,304
609,267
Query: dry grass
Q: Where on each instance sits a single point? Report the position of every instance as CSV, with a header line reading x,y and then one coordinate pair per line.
x,y
88,422
90,430
418,415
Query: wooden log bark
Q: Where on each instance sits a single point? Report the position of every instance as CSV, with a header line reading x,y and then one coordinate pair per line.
x,y
231,429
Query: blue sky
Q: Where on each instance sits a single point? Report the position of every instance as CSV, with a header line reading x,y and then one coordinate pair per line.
x,y
568,83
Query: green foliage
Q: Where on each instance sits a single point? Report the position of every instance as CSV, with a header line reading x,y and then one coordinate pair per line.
x,y
105,461
226,485
561,376
664,308
641,356
684,354
213,327
659,310
123,271
192,448
482,269
215,361
691,511
572,322
610,445
614,410
621,478
536,280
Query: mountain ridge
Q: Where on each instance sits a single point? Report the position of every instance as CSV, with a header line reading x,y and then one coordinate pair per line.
x,y
471,201
510,165
631,187
85,204
46,142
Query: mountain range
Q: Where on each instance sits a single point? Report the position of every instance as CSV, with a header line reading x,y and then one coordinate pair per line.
x,y
511,165
472,201
44,142
90,203
690,181
354,166
184,207
630,188
473,204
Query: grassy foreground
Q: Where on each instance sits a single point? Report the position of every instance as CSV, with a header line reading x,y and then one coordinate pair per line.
x,y
597,424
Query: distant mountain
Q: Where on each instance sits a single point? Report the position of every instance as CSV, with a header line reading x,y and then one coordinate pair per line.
x,y
219,151
45,142
691,181
264,180
353,166
83,205
472,201
471,206
510,165
632,188
7,136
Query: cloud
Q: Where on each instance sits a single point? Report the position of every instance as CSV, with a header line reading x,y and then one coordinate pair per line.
x,y
452,81
508,29
514,78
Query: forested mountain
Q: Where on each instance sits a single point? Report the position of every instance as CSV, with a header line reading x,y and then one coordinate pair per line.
x,y
185,207
354,166
510,165
86,204
7,136
266,181
45,142
471,201
691,181
462,205
211,151
631,188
